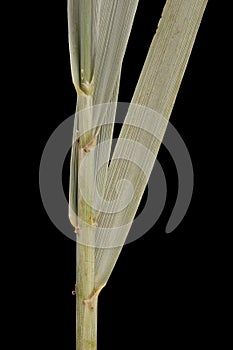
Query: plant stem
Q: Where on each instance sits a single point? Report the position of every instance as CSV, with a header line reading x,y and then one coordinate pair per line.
x,y
86,326
86,298
86,303
83,32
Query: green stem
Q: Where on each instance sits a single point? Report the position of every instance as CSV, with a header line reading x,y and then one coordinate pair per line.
x,y
86,302
86,297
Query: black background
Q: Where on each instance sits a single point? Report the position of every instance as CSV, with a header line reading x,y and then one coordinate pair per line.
x,y
159,292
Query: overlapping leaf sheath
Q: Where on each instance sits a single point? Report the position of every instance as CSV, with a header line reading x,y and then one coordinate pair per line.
x,y
98,34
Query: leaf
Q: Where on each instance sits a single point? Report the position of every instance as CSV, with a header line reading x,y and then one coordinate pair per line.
x,y
144,127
